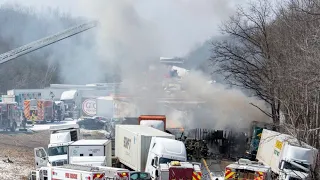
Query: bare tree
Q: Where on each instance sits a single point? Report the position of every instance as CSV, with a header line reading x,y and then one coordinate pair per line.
x,y
247,58
276,55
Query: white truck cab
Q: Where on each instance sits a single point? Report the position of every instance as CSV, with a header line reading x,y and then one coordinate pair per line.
x,y
163,151
60,138
287,157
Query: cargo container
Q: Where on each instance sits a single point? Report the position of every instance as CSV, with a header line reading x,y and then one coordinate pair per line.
x,y
90,152
132,144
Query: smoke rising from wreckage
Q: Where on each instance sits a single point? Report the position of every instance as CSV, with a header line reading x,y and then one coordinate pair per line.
x,y
114,46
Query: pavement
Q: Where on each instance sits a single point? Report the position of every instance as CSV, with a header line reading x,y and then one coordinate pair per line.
x,y
216,169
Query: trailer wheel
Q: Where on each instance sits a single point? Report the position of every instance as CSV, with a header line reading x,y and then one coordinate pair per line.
x,y
13,127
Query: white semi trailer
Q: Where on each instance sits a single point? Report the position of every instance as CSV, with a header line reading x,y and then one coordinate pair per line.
x,y
287,157
146,149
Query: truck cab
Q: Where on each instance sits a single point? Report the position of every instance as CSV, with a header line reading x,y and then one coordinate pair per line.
x,y
288,157
60,138
163,151
295,163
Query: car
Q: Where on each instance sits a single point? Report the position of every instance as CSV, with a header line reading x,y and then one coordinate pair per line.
x,y
139,176
92,124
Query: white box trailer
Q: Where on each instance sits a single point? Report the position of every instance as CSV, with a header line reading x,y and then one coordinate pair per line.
x,y
132,144
105,106
90,152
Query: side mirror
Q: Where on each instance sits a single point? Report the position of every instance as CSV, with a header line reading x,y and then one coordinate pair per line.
x,y
281,164
157,173
152,162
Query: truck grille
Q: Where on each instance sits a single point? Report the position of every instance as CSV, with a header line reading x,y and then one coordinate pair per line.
x,y
59,163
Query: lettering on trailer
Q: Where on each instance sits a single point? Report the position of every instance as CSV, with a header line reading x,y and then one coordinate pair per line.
x,y
94,150
276,152
71,176
126,143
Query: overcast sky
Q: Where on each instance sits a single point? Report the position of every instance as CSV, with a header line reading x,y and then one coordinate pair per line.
x,y
183,23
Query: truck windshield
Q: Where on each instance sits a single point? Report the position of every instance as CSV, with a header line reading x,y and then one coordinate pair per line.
x,y
59,150
163,160
290,166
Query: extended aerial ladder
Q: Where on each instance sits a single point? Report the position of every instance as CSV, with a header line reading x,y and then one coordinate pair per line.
x,y
5,57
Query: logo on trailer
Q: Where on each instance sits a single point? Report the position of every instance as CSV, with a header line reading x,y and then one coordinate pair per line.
x,y
126,143
89,107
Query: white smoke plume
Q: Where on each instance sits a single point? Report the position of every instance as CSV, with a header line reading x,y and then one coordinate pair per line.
x,y
133,34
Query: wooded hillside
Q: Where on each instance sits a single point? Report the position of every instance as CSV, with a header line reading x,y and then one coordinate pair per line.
x,y
274,52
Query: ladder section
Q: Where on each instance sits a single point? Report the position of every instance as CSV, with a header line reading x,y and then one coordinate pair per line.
x,y
46,41
80,167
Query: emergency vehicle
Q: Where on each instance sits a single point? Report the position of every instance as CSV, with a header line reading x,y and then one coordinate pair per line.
x,y
179,170
9,116
68,172
115,173
246,169
39,111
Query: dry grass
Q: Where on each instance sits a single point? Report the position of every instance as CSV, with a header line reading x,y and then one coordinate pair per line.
x,y
19,148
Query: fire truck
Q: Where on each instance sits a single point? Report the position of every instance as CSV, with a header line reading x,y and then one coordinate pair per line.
x,y
246,169
68,172
9,116
39,111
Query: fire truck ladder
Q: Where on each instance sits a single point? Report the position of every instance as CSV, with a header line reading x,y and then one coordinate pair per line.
x,y
5,57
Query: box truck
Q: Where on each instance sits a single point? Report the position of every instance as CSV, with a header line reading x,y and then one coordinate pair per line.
x,y
146,149
132,144
90,152
287,156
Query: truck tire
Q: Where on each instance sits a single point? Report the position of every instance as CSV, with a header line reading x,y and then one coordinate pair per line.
x,y
13,127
